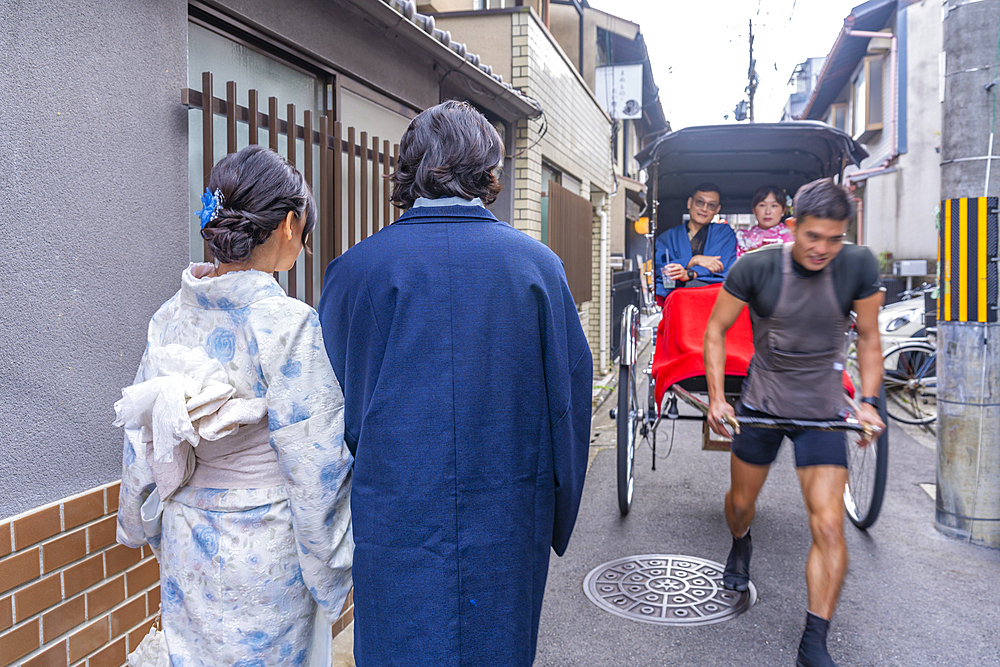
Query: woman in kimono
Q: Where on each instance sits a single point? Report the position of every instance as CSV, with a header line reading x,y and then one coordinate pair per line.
x,y
234,429
769,205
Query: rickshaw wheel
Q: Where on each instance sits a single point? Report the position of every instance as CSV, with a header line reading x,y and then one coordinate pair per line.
x,y
866,473
629,418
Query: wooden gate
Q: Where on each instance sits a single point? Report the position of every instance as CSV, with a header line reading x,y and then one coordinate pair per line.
x,y
571,220
353,169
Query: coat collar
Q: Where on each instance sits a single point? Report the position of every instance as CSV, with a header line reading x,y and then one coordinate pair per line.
x,y
427,214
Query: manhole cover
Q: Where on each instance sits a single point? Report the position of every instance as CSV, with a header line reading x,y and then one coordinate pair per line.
x,y
667,590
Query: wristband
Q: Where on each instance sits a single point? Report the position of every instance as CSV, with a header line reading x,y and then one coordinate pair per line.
x,y
691,274
872,401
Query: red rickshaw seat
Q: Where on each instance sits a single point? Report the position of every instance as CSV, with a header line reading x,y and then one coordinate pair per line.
x,y
680,350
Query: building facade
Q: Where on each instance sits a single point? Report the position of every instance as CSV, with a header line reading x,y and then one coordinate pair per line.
x,y
105,176
567,148
569,57
885,91
804,78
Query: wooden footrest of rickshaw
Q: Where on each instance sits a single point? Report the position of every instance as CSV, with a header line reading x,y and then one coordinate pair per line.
x,y
712,441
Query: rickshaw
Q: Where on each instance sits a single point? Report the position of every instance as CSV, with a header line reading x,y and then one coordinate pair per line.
x,y
739,158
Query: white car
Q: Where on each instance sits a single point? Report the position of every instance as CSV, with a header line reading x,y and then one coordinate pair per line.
x,y
901,320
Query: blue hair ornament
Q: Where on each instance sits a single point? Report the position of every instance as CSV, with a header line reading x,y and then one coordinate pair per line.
x,y
211,202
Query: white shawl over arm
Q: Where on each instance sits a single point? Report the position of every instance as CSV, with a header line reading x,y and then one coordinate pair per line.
x,y
137,475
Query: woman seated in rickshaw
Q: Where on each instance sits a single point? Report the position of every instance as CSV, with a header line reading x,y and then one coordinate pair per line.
x,y
769,205
696,251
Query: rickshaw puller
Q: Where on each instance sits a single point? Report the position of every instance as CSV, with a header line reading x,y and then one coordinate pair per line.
x,y
800,296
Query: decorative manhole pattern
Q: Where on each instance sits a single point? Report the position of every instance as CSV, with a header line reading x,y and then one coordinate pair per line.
x,y
666,590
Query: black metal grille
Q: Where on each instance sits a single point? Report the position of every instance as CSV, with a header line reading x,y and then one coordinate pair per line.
x,y
626,289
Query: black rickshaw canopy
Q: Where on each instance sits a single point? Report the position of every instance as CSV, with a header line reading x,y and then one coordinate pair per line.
x,y
742,158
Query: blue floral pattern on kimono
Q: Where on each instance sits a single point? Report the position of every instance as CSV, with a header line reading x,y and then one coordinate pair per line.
x,y
244,572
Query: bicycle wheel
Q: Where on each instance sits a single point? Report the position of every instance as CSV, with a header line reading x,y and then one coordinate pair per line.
x,y
910,377
628,418
867,467
853,369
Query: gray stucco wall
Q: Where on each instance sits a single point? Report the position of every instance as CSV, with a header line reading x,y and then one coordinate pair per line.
x,y
920,170
93,170
342,35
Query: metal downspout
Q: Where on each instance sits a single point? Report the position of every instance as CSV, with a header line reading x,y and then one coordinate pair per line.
x,y
860,216
603,215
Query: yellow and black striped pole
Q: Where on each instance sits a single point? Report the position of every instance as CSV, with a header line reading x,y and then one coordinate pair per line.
x,y
967,260
968,373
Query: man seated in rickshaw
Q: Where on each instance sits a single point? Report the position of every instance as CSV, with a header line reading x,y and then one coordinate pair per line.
x,y
696,251
800,296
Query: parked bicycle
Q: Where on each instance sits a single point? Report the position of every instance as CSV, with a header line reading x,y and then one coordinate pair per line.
x,y
909,371
910,377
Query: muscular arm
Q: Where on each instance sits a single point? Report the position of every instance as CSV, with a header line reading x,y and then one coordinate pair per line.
x,y
869,352
727,309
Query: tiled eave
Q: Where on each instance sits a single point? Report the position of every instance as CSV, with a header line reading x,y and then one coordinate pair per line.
x,y
401,19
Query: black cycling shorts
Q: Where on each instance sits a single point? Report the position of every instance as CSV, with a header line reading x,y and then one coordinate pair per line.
x,y
759,446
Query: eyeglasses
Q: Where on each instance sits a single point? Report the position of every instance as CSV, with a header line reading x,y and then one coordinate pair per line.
x,y
707,205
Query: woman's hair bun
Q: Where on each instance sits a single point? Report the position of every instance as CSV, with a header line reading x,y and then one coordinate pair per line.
x,y
259,188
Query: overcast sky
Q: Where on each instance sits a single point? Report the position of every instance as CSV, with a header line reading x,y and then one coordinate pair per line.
x,y
699,50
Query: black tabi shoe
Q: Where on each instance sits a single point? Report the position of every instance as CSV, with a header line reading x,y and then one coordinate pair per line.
x,y
812,648
737,574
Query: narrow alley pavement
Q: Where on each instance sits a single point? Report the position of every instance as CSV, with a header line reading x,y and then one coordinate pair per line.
x,y
912,597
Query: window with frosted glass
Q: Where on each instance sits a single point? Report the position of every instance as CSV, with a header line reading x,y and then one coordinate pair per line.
x,y
366,115
867,103
874,68
838,116
229,60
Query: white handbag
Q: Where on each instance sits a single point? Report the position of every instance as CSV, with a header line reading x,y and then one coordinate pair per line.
x,y
151,515
152,650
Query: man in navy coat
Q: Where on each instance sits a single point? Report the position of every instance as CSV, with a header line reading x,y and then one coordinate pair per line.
x,y
467,381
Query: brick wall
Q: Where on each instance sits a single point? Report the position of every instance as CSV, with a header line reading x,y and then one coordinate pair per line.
x,y
595,322
576,141
69,594
578,138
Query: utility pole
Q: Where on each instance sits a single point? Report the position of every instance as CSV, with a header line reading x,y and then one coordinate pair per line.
x,y
751,73
968,363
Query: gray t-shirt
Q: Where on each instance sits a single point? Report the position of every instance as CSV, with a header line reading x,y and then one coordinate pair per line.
x,y
756,277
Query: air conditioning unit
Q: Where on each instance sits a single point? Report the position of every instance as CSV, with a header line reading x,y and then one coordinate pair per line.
x,y
909,267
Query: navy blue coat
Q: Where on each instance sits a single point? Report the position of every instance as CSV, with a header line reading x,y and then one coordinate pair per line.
x,y
467,382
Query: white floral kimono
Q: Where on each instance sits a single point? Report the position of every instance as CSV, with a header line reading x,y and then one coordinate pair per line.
x,y
258,530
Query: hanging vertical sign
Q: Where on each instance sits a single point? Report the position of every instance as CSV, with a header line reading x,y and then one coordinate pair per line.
x,y
618,89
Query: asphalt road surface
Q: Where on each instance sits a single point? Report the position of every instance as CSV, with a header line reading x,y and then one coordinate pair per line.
x,y
912,596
